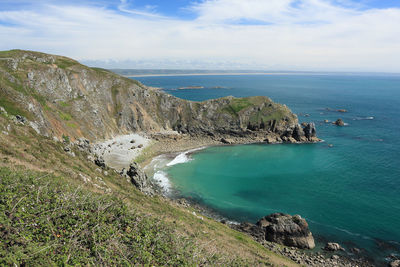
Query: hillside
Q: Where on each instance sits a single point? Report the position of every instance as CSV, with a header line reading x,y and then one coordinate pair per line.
x,y
62,97
59,208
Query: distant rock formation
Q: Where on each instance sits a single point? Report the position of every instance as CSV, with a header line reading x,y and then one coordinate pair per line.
x,y
339,122
64,97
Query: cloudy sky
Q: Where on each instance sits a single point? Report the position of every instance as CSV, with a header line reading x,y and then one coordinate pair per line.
x,y
325,35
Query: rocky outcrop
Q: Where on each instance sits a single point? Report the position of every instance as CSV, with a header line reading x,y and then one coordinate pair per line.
x,y
280,228
287,230
64,97
140,179
339,122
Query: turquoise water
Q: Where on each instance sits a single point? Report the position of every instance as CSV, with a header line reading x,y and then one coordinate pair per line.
x,y
349,193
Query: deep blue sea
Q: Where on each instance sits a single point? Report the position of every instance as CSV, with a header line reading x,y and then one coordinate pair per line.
x,y
349,193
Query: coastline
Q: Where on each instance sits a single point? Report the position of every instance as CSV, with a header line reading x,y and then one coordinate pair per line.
x,y
172,148
219,74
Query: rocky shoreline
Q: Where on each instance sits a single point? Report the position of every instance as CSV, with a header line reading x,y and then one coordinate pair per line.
x,y
171,143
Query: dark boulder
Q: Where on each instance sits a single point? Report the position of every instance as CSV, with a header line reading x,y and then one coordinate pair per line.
x,y
99,161
310,131
339,122
287,230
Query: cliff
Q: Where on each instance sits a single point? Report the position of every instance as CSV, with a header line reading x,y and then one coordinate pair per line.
x,y
61,97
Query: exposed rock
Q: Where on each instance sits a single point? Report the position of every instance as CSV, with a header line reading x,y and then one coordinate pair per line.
x,y
342,110
333,247
395,263
310,131
326,121
227,141
254,230
287,230
270,140
335,257
83,144
20,119
3,111
99,161
140,179
338,122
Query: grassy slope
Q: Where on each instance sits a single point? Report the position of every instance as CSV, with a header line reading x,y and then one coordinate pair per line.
x,y
49,216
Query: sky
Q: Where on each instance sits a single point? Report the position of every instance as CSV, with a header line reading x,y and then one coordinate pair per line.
x,y
308,35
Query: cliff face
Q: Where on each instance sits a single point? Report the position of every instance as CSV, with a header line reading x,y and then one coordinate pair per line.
x,y
60,97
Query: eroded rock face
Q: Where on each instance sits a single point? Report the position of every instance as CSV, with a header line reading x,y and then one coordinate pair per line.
x,y
287,230
140,179
97,104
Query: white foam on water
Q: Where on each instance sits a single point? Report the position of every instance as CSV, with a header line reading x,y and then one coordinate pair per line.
x,y
363,118
162,179
183,157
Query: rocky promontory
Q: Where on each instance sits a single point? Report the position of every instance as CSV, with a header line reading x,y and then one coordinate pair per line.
x,y
62,97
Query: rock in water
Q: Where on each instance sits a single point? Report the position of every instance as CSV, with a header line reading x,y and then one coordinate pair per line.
x,y
333,247
287,230
339,122
140,179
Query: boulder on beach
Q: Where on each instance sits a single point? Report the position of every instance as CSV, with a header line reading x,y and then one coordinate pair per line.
x,y
330,246
287,230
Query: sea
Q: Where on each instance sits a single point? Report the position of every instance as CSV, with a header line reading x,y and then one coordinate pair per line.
x,y
346,187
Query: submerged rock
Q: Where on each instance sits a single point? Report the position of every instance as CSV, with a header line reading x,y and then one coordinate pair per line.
x,y
287,230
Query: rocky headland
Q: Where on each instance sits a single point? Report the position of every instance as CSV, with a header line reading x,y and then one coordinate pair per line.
x,y
121,124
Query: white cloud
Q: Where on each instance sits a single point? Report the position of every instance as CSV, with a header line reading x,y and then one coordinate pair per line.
x,y
289,34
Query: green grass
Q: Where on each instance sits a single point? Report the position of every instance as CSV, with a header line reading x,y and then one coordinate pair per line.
x,y
64,104
71,125
64,63
65,116
12,108
236,105
46,221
